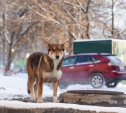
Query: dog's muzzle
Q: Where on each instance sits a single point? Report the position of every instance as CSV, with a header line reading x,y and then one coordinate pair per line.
x,y
57,56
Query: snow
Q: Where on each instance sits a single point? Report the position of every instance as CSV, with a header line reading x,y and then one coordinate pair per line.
x,y
15,86
12,85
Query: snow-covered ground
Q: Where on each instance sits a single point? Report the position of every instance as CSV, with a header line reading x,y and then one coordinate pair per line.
x,y
16,87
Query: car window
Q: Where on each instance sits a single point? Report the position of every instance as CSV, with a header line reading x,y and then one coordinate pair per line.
x,y
69,61
84,59
90,59
114,59
96,59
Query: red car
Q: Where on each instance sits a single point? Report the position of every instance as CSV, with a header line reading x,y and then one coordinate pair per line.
x,y
95,69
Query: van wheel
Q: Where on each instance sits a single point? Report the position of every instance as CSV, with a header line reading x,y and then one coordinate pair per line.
x,y
97,80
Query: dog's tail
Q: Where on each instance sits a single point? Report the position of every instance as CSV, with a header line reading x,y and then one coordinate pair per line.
x,y
28,87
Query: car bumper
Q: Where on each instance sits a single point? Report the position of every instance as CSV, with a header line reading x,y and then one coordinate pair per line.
x,y
117,76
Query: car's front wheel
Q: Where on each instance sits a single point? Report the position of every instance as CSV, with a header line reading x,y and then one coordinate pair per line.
x,y
97,80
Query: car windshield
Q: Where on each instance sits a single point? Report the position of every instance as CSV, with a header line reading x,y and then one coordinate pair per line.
x,y
115,60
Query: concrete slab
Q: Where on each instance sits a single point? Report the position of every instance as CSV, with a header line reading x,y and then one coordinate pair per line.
x,y
71,101
91,97
23,107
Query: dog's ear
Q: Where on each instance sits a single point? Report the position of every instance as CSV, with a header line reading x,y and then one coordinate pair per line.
x,y
46,44
66,44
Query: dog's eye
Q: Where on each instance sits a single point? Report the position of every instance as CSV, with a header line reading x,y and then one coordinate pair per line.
x,y
63,49
54,50
49,49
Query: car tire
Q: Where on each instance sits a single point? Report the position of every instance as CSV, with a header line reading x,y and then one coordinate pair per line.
x,y
97,80
111,84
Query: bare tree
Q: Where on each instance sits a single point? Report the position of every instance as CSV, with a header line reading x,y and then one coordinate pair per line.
x,y
104,18
60,20
26,23
16,27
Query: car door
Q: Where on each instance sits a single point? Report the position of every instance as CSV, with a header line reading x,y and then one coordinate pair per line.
x,y
84,65
68,69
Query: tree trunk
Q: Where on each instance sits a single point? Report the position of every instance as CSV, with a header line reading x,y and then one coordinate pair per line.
x,y
87,31
3,53
87,28
87,34
3,36
9,57
8,63
112,31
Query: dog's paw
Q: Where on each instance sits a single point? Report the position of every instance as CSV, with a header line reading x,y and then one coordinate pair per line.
x,y
39,101
32,99
56,101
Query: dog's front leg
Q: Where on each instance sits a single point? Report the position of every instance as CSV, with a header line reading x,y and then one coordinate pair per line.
x,y
55,87
40,89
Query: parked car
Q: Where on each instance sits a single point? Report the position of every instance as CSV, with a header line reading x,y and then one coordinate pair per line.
x,y
94,69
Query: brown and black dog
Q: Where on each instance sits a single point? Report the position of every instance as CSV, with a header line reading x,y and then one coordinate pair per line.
x,y
45,68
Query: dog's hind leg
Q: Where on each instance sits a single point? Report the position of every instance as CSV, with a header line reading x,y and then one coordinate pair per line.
x,y
32,93
35,89
31,80
55,87
40,90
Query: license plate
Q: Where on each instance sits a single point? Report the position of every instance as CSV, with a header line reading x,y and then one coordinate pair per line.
x,y
121,68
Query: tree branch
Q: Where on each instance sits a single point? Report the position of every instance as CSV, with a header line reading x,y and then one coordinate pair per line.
x,y
25,32
69,14
66,2
44,9
55,21
79,6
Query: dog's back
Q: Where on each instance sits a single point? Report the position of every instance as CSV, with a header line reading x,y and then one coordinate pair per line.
x,y
32,66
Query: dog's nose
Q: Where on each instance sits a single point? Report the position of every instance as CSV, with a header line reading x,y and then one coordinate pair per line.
x,y
57,56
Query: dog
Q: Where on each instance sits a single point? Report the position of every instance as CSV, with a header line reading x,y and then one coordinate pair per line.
x,y
45,68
